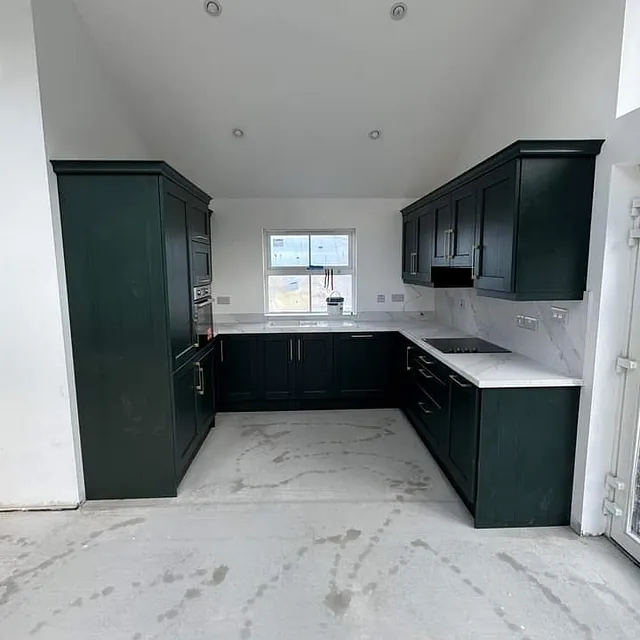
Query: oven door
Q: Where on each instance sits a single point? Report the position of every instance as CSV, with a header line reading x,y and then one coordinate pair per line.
x,y
203,319
201,269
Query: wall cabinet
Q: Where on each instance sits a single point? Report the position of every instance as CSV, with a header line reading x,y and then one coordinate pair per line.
x,y
508,452
410,248
519,221
126,230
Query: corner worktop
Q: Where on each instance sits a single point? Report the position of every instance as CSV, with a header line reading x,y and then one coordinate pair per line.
x,y
484,370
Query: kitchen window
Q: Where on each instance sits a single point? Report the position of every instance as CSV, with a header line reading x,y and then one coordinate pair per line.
x,y
303,267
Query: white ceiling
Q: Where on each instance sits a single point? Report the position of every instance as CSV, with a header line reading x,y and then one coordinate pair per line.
x,y
306,80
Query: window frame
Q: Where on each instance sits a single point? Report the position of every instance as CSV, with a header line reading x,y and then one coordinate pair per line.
x,y
270,270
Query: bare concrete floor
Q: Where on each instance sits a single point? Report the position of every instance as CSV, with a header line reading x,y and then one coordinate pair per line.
x,y
302,526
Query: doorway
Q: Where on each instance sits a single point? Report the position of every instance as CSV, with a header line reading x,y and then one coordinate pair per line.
x,y
624,482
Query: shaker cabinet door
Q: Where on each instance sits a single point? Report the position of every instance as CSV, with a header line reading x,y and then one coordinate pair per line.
x,y
463,221
463,434
495,228
177,255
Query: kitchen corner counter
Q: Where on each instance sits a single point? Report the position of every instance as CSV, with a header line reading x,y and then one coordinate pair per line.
x,y
486,370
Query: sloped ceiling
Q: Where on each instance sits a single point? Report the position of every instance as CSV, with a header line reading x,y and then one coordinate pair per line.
x,y
306,80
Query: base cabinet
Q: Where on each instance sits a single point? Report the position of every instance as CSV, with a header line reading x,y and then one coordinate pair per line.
x,y
509,453
239,370
305,371
314,375
362,364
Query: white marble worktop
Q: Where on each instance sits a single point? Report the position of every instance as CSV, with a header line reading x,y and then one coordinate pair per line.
x,y
485,370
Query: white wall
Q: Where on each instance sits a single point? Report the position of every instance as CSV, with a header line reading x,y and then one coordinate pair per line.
x,y
37,458
238,256
56,102
560,80
83,114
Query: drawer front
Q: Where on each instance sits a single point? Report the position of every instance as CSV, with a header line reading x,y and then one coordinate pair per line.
x,y
431,375
433,419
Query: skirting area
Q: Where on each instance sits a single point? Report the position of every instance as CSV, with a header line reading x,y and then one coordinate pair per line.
x,y
307,525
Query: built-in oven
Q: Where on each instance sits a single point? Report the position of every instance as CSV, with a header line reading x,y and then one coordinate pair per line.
x,y
203,315
201,268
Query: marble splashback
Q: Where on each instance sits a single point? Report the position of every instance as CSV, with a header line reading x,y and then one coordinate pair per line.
x,y
554,345
365,316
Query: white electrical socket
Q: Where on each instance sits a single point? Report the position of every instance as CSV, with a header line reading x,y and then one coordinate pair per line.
x,y
560,315
527,322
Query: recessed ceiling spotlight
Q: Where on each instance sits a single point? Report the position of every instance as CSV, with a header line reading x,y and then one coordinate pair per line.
x,y
398,11
375,134
238,133
213,8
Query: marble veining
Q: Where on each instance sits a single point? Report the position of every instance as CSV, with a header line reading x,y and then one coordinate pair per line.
x,y
496,370
555,345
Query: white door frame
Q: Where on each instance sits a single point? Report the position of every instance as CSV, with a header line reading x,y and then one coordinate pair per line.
x,y
626,466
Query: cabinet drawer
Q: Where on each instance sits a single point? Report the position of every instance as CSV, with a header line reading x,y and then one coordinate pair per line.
x,y
430,375
432,418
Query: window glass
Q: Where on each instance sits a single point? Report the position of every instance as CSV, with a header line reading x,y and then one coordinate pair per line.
x,y
289,251
330,250
288,294
342,284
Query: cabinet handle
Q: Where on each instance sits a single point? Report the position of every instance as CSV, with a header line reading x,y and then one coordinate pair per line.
x,y
299,350
452,243
195,341
362,335
425,362
221,351
201,238
457,381
474,267
407,358
200,383
426,375
422,406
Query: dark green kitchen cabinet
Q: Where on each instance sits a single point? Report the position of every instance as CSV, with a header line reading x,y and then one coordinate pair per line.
x,y
240,369
519,223
441,213
410,248
176,207
509,453
125,232
463,226
200,222
461,450
362,364
278,356
186,415
426,234
314,366
495,229
205,391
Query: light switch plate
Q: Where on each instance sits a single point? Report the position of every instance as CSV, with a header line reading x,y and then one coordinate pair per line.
x,y
397,297
223,299
381,298
520,321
